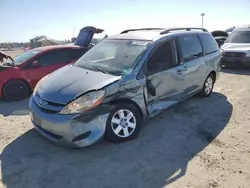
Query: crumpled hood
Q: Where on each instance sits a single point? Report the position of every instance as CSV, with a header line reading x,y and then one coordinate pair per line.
x,y
236,47
67,83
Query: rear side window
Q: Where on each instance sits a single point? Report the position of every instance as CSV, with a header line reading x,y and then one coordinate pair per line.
x,y
67,55
76,53
48,58
60,56
190,47
209,44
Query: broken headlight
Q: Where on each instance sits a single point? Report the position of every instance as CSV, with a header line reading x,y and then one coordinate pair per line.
x,y
84,103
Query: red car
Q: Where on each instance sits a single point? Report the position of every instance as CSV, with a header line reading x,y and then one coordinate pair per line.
x,y
18,80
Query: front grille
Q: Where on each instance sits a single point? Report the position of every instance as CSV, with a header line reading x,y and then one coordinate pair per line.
x,y
234,54
54,104
47,106
47,111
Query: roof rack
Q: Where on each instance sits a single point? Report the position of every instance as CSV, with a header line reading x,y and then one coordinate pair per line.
x,y
184,28
142,29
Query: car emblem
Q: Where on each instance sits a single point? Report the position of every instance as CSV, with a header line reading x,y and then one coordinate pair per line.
x,y
41,102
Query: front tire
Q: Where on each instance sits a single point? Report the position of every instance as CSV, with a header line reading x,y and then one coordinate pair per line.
x,y
16,90
123,124
208,86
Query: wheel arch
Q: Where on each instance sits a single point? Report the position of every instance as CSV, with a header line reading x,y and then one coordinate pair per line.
x,y
129,101
214,74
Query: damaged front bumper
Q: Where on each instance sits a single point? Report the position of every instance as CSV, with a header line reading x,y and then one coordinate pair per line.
x,y
77,130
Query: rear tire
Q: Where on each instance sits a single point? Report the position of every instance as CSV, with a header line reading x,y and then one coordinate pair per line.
x,y
16,90
123,124
208,86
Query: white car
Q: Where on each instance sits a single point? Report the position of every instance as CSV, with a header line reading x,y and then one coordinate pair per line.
x,y
236,49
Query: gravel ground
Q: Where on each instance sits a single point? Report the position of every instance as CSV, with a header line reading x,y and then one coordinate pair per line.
x,y
200,143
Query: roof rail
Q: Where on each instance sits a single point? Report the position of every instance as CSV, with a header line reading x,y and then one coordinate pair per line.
x,y
142,29
182,28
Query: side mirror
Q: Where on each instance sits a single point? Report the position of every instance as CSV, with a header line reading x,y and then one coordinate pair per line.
x,y
35,64
150,87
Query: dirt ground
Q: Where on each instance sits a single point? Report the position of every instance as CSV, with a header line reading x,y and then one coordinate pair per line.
x,y
14,53
200,143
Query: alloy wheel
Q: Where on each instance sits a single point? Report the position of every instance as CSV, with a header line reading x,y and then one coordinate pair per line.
x,y
208,85
123,123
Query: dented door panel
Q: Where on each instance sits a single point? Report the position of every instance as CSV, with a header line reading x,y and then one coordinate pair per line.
x,y
194,76
169,86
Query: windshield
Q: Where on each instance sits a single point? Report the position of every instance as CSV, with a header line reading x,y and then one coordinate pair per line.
x,y
239,37
113,56
25,56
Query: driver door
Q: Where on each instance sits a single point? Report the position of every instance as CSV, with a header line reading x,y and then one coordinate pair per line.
x,y
45,64
164,81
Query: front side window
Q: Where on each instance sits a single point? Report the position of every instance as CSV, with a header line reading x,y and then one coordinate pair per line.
x,y
239,37
47,59
162,58
209,43
113,56
25,56
191,47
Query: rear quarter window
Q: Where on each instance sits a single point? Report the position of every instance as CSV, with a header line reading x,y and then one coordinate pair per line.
x,y
209,43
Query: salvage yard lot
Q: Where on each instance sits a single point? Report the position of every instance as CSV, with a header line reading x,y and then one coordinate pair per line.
x,y
199,143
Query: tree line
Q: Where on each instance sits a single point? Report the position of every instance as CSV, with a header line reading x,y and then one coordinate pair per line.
x,y
9,45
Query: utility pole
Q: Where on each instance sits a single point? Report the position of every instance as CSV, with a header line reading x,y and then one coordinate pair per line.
x,y
74,32
202,19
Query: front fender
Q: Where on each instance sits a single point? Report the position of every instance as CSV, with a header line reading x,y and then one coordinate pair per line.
x,y
128,91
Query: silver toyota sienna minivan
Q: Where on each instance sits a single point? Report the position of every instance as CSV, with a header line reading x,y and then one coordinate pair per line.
x,y
123,80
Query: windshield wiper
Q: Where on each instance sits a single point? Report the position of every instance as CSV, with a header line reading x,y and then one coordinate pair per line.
x,y
100,70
